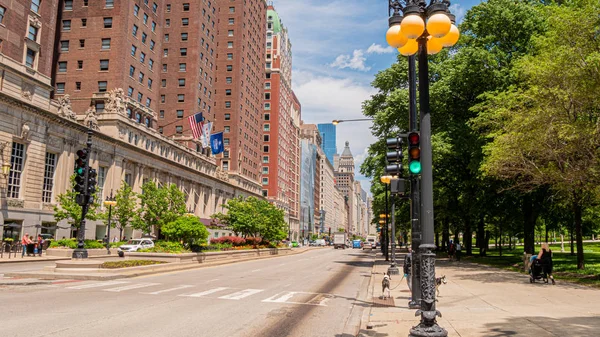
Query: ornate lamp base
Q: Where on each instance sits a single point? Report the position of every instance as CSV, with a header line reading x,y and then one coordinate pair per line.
x,y
80,253
393,270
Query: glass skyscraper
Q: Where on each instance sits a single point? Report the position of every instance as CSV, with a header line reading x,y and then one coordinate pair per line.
x,y
328,135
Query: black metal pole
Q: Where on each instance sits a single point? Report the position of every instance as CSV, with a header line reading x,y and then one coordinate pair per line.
x,y
80,252
415,193
384,246
393,269
108,239
428,325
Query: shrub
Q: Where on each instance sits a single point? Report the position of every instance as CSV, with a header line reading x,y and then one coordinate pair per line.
x,y
212,247
117,244
166,247
253,241
128,263
93,244
64,243
231,240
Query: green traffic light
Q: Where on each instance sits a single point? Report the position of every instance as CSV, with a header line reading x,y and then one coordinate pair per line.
x,y
80,170
415,167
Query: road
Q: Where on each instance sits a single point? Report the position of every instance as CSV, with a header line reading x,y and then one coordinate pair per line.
x,y
23,266
318,293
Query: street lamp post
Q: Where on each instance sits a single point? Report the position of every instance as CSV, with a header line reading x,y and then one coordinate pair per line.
x,y
386,180
110,202
415,27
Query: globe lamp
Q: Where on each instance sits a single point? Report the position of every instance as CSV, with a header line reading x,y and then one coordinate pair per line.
x,y
451,38
438,25
394,37
410,48
434,45
412,26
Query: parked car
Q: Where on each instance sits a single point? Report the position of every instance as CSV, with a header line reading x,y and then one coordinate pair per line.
x,y
134,245
320,243
295,244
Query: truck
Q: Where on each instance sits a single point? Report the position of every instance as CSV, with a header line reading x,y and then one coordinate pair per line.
x,y
371,242
339,240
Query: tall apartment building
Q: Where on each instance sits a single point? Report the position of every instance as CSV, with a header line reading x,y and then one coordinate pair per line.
x,y
239,86
328,134
278,123
294,211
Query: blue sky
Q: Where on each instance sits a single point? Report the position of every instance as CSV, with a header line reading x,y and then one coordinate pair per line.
x,y
338,46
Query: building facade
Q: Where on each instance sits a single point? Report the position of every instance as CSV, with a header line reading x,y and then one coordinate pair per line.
x,y
328,134
344,175
239,86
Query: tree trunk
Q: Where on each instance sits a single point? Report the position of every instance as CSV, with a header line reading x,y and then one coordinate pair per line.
x,y
445,234
509,242
501,240
528,224
456,235
578,232
571,234
486,243
562,243
546,232
468,237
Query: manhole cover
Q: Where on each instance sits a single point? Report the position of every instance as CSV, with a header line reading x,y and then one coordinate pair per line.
x,y
383,302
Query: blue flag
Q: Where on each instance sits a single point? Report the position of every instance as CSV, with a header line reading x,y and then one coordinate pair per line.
x,y
216,142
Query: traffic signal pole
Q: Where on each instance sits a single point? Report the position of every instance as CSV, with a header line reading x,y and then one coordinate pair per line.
x,y
415,200
80,252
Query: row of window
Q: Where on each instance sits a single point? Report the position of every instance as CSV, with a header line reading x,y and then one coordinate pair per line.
x,y
69,4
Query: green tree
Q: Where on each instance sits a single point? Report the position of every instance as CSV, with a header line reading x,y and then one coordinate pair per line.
x,y
158,207
66,207
188,229
125,209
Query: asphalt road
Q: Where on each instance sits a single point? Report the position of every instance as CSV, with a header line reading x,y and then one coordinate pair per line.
x,y
318,293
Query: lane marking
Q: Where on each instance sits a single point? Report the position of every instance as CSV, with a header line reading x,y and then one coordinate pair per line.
x,y
96,285
131,286
255,270
208,292
213,280
168,290
279,298
241,294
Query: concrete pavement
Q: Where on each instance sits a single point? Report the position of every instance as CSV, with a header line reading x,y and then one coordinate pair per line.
x,y
321,292
485,301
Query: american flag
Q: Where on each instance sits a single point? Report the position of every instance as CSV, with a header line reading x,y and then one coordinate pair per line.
x,y
196,124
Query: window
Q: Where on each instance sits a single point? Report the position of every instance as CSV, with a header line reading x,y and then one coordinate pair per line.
x,y
267,127
154,7
150,63
103,65
266,148
77,85
186,7
179,113
165,52
265,159
268,85
136,10
267,95
230,56
83,22
228,105
166,37
130,91
134,31
152,43
162,98
145,19
163,83
105,44
265,170
179,129
168,8
148,102
230,44
267,117
225,154
99,107
35,5
225,166
180,98
267,106
164,68
181,82
101,86
79,64
231,21
230,33
141,77
231,9
128,179
149,83
225,141
161,114
182,66
168,23
265,138
268,65
17,158
228,80
62,67
227,117
107,22
185,21
131,71
144,37
153,26
33,32
184,36
2,12
229,68
30,58
142,57
133,50
140,96
109,4
101,180
66,25
183,51
60,88
81,43
227,92
227,129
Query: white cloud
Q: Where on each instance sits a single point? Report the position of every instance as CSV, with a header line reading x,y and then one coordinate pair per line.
x,y
458,11
379,49
356,61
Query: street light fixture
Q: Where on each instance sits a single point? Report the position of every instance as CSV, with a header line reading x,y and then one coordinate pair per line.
x,y
110,202
429,28
386,180
338,121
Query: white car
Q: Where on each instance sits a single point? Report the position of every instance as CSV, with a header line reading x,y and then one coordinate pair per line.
x,y
135,244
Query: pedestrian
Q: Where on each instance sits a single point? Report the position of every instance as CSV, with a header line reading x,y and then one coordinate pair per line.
x,y
24,242
40,241
105,240
451,249
407,270
458,250
114,239
545,257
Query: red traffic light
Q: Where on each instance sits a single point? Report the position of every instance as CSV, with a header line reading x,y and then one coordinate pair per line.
x,y
413,138
82,153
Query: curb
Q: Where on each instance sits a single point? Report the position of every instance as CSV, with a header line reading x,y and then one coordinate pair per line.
x,y
20,260
107,277
366,317
23,283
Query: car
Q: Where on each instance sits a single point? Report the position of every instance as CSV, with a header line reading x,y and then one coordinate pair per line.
x,y
134,245
295,244
47,236
320,243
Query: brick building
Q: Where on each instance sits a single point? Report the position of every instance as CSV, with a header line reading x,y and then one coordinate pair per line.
x,y
239,85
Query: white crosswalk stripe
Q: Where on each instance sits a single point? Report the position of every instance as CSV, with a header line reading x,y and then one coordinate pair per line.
x,y
97,285
241,294
279,298
204,293
131,286
168,290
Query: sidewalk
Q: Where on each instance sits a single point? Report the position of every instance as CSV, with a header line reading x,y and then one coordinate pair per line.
x,y
19,259
485,301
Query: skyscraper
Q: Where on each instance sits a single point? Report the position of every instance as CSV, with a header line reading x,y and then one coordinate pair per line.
x,y
328,134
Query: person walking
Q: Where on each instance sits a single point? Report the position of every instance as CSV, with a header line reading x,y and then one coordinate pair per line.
x,y
407,269
545,257
458,250
40,244
24,242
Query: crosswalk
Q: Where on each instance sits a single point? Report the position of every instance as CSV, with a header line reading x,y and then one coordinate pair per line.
x,y
192,291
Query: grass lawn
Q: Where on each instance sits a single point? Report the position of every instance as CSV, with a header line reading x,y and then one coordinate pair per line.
x,y
565,264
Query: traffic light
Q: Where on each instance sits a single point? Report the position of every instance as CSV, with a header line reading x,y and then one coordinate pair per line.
x,y
414,153
394,157
92,182
80,168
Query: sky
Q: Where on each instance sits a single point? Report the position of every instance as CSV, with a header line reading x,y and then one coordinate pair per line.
x,y
338,46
